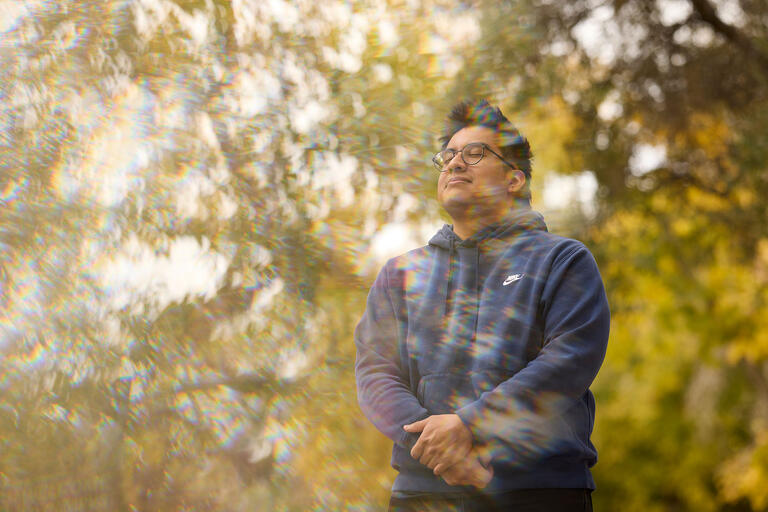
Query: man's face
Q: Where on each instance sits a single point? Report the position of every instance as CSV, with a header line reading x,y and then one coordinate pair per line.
x,y
469,190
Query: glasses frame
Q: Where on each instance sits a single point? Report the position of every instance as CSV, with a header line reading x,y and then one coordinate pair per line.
x,y
442,167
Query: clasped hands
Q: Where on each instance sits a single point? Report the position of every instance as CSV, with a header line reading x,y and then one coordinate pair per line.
x,y
445,446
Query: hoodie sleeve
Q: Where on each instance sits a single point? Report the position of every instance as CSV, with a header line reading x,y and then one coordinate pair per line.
x,y
383,390
526,411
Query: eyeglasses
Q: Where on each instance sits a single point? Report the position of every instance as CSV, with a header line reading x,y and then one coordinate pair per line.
x,y
471,154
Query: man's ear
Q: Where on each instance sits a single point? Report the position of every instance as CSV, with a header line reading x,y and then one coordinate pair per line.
x,y
516,182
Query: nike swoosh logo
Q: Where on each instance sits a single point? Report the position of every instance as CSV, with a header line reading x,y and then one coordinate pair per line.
x,y
511,279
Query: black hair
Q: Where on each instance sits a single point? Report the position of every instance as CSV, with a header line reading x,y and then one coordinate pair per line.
x,y
514,146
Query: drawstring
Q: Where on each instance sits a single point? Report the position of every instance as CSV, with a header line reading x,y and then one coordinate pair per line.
x,y
478,289
449,277
461,334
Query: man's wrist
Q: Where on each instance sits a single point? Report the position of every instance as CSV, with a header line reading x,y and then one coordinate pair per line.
x,y
466,414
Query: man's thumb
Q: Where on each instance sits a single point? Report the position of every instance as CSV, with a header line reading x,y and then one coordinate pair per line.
x,y
416,426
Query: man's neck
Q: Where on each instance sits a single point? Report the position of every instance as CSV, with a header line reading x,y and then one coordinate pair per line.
x,y
465,227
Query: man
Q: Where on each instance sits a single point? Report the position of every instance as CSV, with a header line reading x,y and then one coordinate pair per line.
x,y
476,352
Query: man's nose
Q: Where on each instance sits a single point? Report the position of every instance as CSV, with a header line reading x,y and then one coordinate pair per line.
x,y
456,163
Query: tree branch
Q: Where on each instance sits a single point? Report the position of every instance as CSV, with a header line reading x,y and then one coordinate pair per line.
x,y
242,383
667,175
707,13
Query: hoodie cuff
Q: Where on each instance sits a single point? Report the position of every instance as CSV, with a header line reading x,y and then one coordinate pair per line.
x,y
469,415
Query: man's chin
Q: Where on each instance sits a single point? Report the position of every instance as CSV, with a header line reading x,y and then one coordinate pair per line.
x,y
455,207
452,202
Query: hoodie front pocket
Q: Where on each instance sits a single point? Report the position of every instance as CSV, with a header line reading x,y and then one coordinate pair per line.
x,y
445,393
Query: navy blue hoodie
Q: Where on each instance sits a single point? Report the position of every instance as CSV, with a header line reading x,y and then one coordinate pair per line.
x,y
507,329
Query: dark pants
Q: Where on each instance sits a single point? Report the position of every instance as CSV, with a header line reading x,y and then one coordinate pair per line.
x,y
525,500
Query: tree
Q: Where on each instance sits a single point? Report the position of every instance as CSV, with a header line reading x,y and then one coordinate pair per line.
x,y
663,102
224,139
188,188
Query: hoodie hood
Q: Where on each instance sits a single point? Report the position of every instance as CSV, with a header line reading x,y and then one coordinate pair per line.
x,y
515,221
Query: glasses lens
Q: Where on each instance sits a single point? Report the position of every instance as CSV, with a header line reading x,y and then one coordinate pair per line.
x,y
443,158
472,153
438,161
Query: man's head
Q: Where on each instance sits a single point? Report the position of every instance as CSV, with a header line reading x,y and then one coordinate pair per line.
x,y
492,173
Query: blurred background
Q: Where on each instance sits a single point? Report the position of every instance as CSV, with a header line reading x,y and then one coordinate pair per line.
x,y
196,195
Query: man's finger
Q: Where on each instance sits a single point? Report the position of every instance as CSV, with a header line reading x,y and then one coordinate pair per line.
x,y
427,457
484,478
417,449
439,469
428,461
485,458
482,482
444,460
416,426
